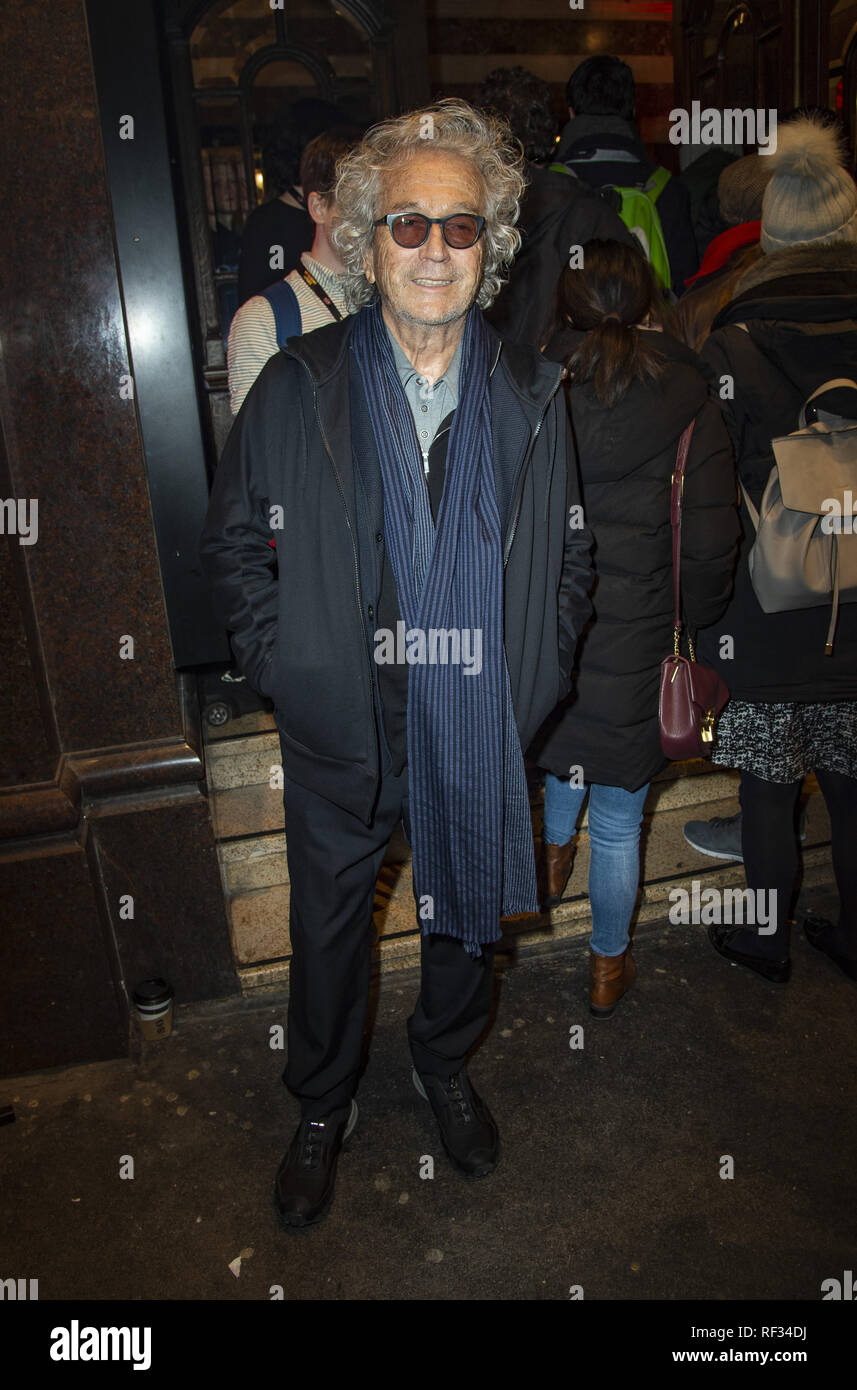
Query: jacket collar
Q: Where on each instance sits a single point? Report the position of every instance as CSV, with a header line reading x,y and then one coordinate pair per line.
x,y
835,258
802,284
606,132
531,376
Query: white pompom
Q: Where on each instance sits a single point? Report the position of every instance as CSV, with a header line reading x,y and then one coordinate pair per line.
x,y
805,147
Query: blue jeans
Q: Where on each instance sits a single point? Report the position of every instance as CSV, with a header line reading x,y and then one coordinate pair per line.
x,y
615,817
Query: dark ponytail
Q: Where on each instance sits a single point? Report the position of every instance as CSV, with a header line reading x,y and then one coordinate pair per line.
x,y
614,290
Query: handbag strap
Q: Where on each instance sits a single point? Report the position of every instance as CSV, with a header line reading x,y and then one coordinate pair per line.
x,y
676,496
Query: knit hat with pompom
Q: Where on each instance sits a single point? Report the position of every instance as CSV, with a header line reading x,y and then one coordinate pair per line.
x,y
811,199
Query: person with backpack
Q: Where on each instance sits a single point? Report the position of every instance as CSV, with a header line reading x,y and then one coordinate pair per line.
x,y
312,294
558,212
601,145
633,391
790,330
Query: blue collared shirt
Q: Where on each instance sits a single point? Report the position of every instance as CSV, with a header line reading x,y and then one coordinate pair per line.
x,y
430,402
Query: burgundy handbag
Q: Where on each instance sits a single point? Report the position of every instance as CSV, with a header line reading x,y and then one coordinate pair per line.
x,y
692,695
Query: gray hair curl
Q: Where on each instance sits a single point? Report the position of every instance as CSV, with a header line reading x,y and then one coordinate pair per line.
x,y
453,125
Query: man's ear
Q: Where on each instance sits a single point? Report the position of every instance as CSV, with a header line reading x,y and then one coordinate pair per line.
x,y
571,113
368,266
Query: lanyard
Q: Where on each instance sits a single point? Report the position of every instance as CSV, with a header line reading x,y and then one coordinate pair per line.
x,y
317,290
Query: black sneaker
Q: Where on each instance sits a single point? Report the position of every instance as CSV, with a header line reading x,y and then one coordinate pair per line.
x,y
468,1132
306,1178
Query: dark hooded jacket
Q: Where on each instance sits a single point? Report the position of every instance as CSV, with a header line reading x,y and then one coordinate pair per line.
x,y
303,635
587,143
800,308
627,453
558,211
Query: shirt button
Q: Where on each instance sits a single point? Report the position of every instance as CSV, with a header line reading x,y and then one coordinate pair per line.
x,y
379,536
424,409
371,611
423,434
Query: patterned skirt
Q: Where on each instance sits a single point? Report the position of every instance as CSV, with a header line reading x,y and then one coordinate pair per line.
x,y
783,742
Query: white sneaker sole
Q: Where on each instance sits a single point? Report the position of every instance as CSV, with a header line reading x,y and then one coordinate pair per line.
x,y
713,853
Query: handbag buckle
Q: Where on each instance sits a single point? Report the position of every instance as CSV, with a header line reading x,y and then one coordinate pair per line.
x,y
706,728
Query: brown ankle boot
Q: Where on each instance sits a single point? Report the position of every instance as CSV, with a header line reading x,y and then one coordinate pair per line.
x,y
555,871
609,978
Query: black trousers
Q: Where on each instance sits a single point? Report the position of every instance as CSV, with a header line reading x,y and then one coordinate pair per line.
x,y
334,861
770,845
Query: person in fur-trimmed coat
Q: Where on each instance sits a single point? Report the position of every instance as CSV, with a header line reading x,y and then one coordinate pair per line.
x,y
791,327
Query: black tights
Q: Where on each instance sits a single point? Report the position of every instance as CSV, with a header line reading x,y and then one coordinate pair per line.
x,y
770,844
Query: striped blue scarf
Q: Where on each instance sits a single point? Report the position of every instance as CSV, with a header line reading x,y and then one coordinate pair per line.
x,y
471,834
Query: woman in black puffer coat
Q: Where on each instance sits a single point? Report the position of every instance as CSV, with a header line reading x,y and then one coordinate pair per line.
x,y
633,390
791,327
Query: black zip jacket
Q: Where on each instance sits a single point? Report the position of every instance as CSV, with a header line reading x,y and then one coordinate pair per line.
x,y
304,637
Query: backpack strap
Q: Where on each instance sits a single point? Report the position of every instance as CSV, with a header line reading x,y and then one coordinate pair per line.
x,y
825,386
287,314
657,183
754,515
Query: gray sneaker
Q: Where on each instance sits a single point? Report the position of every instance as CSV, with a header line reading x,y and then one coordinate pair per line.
x,y
720,837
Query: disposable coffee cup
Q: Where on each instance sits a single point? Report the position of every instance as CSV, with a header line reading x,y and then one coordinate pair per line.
x,y
153,1000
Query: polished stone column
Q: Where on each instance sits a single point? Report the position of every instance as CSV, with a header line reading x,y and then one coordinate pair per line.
x,y
108,872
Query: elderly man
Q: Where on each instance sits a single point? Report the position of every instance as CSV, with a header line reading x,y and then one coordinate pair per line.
x,y
417,477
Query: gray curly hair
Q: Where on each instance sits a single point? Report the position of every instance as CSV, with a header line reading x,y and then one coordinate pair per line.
x,y
450,125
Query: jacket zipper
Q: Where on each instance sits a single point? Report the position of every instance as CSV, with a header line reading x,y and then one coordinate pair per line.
x,y
353,544
425,452
520,486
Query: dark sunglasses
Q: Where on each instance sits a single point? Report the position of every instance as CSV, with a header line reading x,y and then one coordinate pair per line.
x,y
411,229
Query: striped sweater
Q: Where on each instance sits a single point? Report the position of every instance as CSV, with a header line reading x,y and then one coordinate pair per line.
x,y
253,337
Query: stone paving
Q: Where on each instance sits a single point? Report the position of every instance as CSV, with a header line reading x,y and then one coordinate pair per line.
x,y
610,1176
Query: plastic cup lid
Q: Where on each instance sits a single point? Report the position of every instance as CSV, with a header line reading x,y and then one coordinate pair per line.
x,y
152,991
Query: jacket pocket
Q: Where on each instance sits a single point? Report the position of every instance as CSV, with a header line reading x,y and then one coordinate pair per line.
x,y
265,674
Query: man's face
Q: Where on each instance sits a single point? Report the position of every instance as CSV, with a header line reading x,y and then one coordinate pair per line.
x,y
434,283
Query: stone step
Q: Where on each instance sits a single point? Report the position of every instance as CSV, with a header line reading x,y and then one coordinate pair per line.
x,y
258,860
259,722
238,756
242,760
403,952
260,915
248,818
243,812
